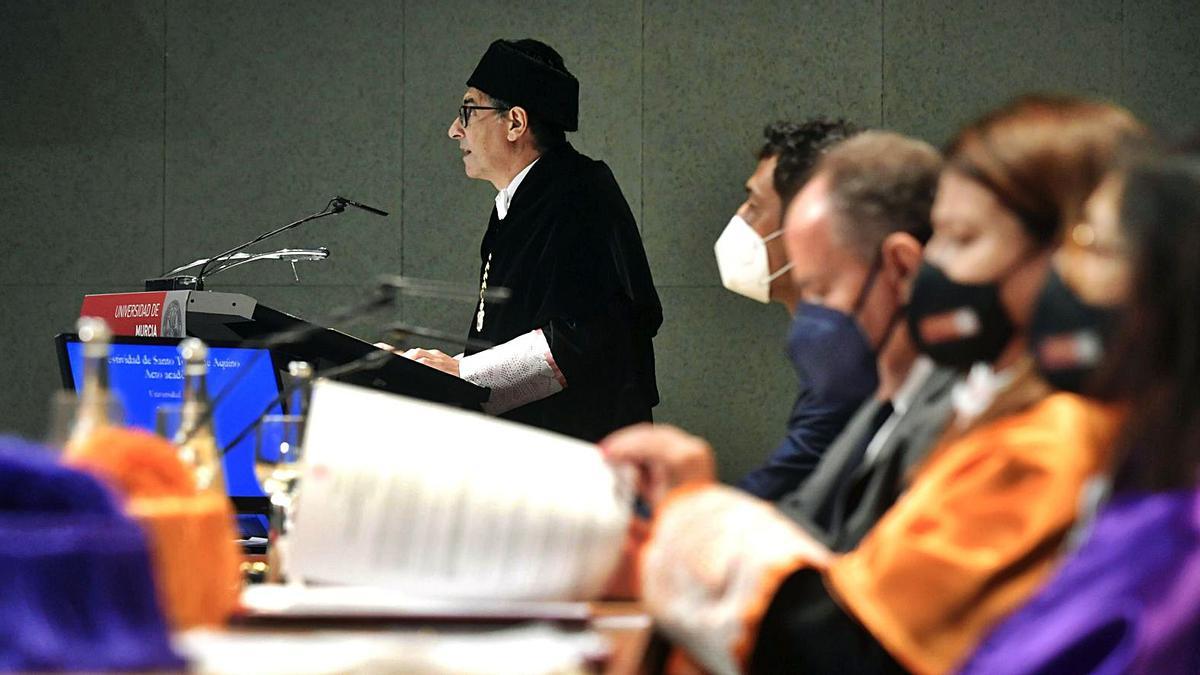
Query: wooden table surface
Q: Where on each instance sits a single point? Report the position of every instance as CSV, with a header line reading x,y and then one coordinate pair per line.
x,y
627,628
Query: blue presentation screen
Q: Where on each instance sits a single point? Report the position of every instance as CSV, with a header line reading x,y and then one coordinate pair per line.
x,y
146,376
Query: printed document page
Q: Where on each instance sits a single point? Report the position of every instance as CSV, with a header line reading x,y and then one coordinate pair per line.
x,y
444,503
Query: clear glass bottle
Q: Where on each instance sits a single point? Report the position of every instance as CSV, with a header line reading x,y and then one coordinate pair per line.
x,y
194,438
96,406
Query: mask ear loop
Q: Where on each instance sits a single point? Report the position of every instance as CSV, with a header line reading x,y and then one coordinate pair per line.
x,y
786,266
894,321
868,284
779,272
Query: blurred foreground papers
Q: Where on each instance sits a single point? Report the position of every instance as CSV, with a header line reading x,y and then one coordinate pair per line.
x,y
442,503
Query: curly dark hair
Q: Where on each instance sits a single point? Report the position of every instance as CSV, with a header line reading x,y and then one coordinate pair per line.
x,y
796,148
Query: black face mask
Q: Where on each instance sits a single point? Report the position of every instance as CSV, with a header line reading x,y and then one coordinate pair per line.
x,y
1067,336
957,325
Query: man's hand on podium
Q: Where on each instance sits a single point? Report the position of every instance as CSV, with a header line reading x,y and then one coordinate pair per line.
x,y
431,357
435,358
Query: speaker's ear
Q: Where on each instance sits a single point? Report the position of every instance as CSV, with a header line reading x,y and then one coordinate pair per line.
x,y
518,122
901,257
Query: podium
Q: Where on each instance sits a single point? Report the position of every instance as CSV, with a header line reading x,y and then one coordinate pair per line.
x,y
217,316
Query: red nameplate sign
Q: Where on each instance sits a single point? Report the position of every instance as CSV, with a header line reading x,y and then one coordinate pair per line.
x,y
147,314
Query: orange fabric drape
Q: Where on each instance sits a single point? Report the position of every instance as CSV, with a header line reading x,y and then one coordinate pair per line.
x,y
191,536
977,533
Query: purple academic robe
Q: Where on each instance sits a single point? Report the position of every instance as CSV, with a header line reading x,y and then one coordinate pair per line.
x,y
76,585
1128,601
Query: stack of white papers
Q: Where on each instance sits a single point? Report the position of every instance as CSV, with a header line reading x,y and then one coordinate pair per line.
x,y
442,503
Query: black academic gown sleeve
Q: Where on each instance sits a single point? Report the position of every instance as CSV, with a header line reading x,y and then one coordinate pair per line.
x,y
805,630
602,290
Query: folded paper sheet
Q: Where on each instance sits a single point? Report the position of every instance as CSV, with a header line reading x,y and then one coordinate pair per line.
x,y
443,503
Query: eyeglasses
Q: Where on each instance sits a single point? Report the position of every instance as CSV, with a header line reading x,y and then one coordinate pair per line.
x,y
464,112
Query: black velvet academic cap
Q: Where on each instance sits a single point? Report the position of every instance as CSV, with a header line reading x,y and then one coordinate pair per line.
x,y
509,74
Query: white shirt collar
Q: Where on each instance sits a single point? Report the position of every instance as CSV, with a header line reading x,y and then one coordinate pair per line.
x,y
973,394
922,368
504,197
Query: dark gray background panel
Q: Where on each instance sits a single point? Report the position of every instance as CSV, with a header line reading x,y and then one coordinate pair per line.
x,y
272,110
81,115
715,74
1161,66
946,63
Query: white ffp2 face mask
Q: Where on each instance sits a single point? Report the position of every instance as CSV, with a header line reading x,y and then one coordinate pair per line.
x,y
743,263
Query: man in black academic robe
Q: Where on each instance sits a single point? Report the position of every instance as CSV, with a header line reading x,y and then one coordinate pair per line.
x,y
572,345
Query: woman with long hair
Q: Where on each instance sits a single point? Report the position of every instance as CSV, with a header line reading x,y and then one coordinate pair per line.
x,y
1129,599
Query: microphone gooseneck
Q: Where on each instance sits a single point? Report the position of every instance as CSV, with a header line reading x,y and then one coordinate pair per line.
x,y
329,210
335,206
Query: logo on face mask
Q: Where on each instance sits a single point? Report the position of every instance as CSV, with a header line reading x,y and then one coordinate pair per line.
x,y
1067,336
957,324
743,263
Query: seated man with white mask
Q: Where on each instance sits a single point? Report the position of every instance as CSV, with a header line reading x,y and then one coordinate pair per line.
x,y
752,263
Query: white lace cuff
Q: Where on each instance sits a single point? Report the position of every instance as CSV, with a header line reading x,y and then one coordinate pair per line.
x,y
519,371
714,562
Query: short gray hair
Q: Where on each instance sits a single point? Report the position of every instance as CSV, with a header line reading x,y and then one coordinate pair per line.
x,y
880,183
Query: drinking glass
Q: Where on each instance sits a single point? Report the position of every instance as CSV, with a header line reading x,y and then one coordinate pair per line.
x,y
278,459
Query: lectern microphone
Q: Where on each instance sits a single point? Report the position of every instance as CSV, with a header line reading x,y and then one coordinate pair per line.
x,y
343,202
335,206
332,208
